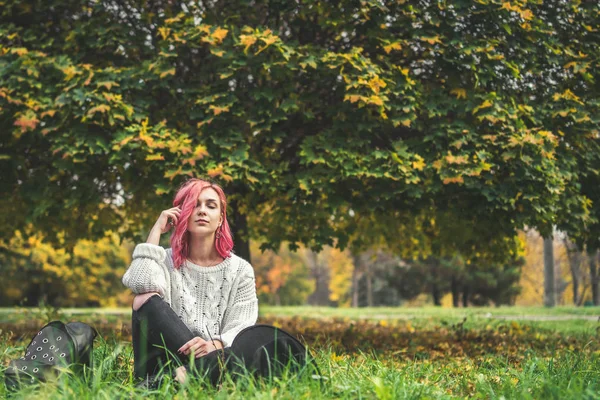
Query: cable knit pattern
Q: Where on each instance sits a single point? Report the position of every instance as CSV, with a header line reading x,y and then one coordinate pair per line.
x,y
214,302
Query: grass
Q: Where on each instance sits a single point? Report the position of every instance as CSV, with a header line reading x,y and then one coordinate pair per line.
x,y
428,353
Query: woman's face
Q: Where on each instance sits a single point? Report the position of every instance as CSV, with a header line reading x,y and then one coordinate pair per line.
x,y
206,217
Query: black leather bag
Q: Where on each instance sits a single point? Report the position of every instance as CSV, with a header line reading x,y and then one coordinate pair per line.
x,y
55,347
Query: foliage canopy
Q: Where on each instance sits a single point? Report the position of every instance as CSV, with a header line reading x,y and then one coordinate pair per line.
x,y
484,109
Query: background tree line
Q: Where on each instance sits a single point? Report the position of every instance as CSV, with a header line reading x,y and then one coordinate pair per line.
x,y
38,273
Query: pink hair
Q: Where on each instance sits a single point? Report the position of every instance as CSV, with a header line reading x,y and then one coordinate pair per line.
x,y
186,198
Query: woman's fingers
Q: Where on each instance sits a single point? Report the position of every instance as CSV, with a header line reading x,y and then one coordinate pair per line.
x,y
208,347
186,346
195,349
200,353
194,345
169,218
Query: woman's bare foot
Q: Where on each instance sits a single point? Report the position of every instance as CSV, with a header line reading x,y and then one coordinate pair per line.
x,y
181,374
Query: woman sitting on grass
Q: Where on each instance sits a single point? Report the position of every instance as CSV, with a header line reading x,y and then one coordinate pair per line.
x,y
194,298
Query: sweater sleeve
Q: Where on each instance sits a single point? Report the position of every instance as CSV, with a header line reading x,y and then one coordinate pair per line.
x,y
148,272
242,311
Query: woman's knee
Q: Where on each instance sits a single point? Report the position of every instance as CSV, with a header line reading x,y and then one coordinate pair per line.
x,y
141,299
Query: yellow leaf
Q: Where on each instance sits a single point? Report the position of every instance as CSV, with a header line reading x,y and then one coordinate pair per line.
x,y
491,118
218,35
19,51
456,179
208,121
392,46
376,83
164,32
432,40
353,98
526,14
108,85
451,159
485,104
49,112
89,78
218,110
218,171
177,39
376,100
102,108
154,157
200,151
419,164
269,40
247,40
172,20
70,72
509,7
168,72
460,93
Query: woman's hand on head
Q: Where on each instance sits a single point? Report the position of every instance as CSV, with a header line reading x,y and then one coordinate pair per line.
x,y
200,347
168,219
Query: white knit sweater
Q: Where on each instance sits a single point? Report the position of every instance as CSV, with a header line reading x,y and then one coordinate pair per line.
x,y
214,302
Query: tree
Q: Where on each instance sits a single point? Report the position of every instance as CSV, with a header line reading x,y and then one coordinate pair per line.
x,y
36,272
549,291
281,278
575,259
302,110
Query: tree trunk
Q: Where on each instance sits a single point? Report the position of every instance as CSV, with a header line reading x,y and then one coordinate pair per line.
x,y
594,276
369,286
575,291
277,298
574,257
435,292
465,296
320,297
455,292
241,243
549,293
355,280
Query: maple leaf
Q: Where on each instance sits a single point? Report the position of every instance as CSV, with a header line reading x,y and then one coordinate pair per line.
x,y
392,46
102,108
27,122
247,40
460,93
218,110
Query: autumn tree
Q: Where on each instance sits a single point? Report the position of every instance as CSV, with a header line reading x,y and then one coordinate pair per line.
x,y
282,278
36,272
304,110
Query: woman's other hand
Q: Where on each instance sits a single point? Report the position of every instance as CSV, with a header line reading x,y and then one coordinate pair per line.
x,y
166,220
200,347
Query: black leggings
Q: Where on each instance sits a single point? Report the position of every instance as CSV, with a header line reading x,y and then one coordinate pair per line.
x,y
157,334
